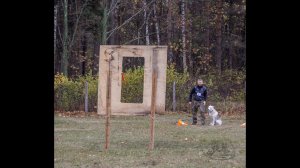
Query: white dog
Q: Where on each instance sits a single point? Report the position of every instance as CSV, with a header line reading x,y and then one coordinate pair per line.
x,y
216,119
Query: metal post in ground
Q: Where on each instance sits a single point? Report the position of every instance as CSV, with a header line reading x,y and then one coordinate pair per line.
x,y
86,107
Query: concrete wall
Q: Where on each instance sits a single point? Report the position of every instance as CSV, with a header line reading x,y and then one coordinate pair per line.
x,y
154,56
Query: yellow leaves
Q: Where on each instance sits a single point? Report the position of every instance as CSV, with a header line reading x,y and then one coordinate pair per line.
x,y
60,78
175,46
173,75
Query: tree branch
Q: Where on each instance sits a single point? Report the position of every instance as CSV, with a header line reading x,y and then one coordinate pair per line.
x,y
162,30
77,21
138,38
113,30
111,9
61,40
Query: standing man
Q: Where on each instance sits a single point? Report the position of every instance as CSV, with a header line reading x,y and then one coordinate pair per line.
x,y
199,92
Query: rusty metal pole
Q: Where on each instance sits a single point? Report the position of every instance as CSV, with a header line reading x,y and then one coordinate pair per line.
x,y
152,115
108,107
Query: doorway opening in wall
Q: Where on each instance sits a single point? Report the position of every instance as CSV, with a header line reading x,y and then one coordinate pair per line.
x,y
132,86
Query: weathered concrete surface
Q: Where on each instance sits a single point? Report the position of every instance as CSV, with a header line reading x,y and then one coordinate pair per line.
x,y
155,57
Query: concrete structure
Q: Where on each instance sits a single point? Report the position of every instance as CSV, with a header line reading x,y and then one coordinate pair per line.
x,y
155,57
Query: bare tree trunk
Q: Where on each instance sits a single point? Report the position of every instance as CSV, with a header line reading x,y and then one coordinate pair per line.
x,y
169,23
112,23
64,62
169,30
183,35
190,38
95,57
231,57
146,23
55,27
104,25
138,29
219,36
118,19
138,36
189,55
78,54
156,23
84,49
207,28
79,40
230,31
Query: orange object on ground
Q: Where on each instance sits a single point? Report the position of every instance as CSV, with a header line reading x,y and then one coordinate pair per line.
x,y
181,123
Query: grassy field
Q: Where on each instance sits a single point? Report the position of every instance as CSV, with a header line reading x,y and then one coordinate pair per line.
x,y
79,142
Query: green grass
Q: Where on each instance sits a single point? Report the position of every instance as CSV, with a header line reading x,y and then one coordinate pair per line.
x,y
79,142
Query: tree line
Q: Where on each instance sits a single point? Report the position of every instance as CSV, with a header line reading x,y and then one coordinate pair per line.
x,y
200,34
